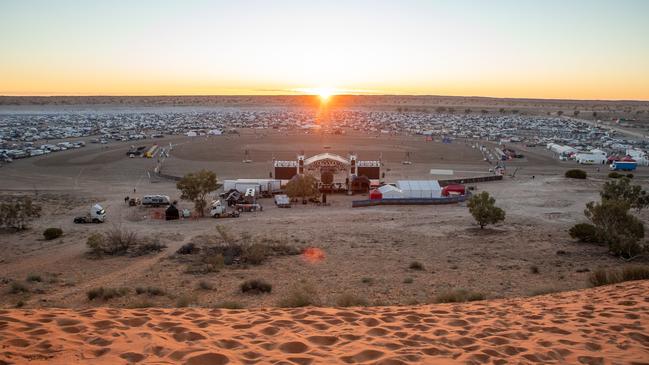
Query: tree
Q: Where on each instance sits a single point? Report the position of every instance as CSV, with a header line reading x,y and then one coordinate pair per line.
x,y
622,189
302,186
560,113
482,207
196,186
575,113
18,213
616,227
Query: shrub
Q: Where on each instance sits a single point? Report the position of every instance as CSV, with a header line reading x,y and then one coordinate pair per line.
x,y
18,213
576,174
205,285
106,293
188,249
151,291
585,232
630,176
118,241
630,273
367,280
256,286
482,207
534,269
52,233
616,227
17,288
148,247
351,300
185,300
622,190
34,278
408,280
415,265
255,254
459,295
95,243
605,277
300,296
614,175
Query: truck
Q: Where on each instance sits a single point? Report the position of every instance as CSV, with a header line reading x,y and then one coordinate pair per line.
x,y
219,210
97,215
623,165
245,207
156,200
264,187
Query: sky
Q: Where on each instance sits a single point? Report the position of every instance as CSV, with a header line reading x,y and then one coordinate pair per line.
x,y
567,49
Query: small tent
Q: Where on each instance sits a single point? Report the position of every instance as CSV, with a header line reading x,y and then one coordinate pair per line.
x,y
172,213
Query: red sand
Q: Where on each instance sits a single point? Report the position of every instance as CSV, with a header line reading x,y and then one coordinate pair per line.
x,y
592,326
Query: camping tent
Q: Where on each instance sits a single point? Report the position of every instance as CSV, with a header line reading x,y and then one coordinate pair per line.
x,y
172,213
420,188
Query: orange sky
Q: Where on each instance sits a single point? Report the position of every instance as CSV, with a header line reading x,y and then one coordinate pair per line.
x,y
501,49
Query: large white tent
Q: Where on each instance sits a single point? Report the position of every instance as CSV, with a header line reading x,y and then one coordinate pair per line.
x,y
390,192
420,188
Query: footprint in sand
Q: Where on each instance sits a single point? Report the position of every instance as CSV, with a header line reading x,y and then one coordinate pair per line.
x,y
322,340
132,357
209,358
294,347
363,356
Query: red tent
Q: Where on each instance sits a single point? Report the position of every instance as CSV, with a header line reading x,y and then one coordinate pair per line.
x,y
376,194
453,189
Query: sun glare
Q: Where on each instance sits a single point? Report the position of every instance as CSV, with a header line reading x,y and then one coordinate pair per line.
x,y
324,93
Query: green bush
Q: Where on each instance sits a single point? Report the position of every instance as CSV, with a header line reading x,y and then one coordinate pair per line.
x,y
458,296
614,175
52,233
256,286
585,232
576,174
483,209
255,254
415,265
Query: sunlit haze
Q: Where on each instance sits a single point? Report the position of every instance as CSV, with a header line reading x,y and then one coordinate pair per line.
x,y
536,49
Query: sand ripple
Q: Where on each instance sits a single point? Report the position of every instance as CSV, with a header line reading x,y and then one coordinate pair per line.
x,y
594,326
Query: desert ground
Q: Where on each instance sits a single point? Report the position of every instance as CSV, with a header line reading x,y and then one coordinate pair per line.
x,y
367,252
606,325
364,257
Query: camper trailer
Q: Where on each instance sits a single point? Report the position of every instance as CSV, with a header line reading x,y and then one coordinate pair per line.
x,y
155,200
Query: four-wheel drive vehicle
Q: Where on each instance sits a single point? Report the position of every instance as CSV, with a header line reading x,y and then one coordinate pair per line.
x,y
219,210
97,215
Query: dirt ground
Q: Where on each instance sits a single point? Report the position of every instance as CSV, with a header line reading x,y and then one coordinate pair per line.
x,y
367,252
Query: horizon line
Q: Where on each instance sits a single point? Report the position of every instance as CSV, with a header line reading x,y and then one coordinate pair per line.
x,y
311,95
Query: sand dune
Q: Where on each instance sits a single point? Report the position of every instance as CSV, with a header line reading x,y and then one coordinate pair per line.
x,y
594,326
